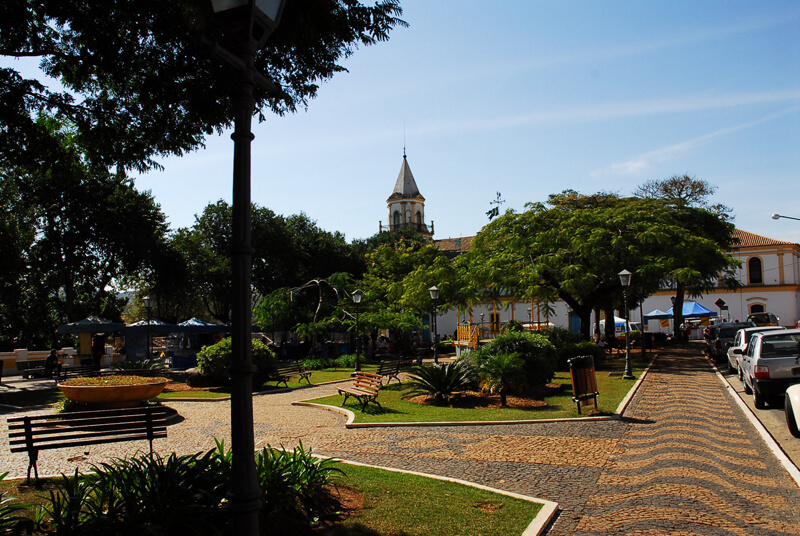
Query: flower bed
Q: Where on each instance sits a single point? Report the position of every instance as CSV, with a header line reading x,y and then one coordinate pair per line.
x,y
112,391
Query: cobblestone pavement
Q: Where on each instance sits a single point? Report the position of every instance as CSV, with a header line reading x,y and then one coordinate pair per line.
x,y
690,463
683,461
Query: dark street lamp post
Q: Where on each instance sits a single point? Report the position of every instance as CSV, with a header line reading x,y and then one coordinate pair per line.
x,y
434,291
625,280
148,302
249,23
357,295
779,216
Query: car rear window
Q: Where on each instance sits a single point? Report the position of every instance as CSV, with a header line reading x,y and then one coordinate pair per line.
x,y
727,333
782,346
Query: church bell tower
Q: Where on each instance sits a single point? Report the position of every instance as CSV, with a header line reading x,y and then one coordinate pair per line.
x,y
406,205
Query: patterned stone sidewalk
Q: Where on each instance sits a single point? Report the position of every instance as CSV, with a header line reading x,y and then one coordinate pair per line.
x,y
690,463
683,461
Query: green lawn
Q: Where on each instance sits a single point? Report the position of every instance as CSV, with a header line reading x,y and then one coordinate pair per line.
x,y
411,505
612,389
394,504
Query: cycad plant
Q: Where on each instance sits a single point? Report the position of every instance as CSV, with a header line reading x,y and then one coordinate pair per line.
x,y
502,372
440,381
10,522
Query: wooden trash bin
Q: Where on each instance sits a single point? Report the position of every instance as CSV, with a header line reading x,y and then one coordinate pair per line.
x,y
584,381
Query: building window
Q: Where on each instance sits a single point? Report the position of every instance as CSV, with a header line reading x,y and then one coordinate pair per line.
x,y
757,308
419,221
396,218
755,274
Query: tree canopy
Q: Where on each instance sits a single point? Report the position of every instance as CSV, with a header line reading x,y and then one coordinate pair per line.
x,y
576,248
138,83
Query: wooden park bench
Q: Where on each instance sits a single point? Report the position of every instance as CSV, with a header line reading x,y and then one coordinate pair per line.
x,y
62,430
286,371
389,370
76,371
365,388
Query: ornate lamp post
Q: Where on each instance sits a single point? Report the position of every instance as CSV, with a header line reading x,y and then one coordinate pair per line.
x,y
247,25
530,319
434,291
357,295
148,302
625,281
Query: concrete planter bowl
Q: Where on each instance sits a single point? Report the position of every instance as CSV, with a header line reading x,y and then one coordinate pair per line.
x,y
114,396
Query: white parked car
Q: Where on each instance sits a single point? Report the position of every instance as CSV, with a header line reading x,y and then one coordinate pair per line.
x,y
770,364
739,342
791,406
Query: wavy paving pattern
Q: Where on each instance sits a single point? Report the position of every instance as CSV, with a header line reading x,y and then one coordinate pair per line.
x,y
689,464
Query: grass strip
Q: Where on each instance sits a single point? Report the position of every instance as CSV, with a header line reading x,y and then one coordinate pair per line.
x,y
396,408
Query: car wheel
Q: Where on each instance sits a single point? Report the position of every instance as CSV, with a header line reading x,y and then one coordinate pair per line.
x,y
731,368
741,376
790,422
758,400
747,389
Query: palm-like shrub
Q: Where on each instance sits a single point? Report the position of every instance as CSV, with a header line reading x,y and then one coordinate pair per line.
x,y
10,522
440,381
538,354
299,490
156,365
502,372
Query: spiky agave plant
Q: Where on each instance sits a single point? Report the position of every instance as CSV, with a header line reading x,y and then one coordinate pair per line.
x,y
440,381
10,522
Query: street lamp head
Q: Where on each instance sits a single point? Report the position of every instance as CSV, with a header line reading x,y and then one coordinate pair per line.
x,y
776,216
357,295
149,302
260,17
434,293
625,278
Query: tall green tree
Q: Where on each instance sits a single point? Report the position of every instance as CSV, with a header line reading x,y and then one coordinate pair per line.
x,y
139,82
688,272
575,249
85,231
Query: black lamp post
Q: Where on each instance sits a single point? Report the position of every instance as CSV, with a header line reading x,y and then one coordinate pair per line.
x,y
530,319
247,25
357,295
676,335
625,280
434,291
148,302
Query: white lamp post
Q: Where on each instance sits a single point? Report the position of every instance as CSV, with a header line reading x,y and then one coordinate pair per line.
x,y
625,281
247,25
148,302
434,292
357,295
779,216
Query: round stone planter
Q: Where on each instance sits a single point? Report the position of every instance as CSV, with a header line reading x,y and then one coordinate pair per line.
x,y
112,396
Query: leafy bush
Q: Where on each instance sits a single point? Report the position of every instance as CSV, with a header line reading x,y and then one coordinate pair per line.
x,y
561,336
441,381
215,360
569,350
538,354
513,325
347,361
445,346
154,496
318,363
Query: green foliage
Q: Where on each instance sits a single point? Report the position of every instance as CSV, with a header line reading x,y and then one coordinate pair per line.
x,y
575,349
318,363
154,364
440,380
215,360
296,489
502,372
347,361
10,522
538,354
513,325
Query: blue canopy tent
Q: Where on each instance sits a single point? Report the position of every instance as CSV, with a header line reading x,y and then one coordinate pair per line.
x,y
690,310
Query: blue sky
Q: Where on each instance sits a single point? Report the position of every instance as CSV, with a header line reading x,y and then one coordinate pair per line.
x,y
530,98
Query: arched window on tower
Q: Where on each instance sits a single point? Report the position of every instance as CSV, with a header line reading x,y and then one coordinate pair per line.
x,y
755,274
396,219
419,221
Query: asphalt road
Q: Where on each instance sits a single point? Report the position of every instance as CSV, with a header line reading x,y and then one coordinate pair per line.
x,y
772,417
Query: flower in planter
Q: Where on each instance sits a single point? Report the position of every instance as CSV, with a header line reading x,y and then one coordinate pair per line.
x,y
111,381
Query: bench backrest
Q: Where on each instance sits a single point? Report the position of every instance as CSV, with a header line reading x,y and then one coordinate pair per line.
x,y
290,367
367,381
31,433
388,366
